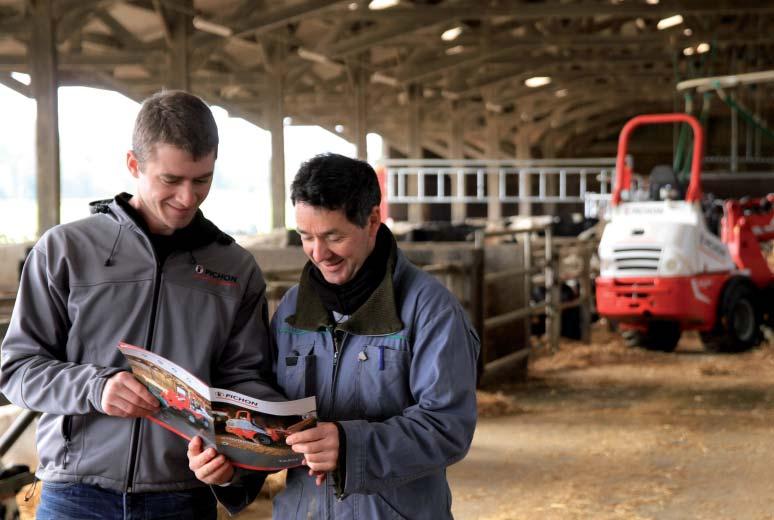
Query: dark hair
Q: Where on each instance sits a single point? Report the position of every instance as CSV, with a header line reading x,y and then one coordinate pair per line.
x,y
334,182
177,118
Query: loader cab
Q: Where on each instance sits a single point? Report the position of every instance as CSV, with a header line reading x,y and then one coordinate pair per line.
x,y
664,184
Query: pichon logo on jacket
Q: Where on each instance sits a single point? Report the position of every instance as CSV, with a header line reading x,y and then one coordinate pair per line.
x,y
214,277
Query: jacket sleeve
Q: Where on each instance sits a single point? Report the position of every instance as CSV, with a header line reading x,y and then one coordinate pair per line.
x,y
437,430
245,363
34,371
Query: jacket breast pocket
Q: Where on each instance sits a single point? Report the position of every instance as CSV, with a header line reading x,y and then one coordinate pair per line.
x,y
296,372
383,381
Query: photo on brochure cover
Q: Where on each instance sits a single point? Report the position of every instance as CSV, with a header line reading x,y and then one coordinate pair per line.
x,y
249,431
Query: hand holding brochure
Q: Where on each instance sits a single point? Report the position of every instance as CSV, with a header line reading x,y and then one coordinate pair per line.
x,y
250,432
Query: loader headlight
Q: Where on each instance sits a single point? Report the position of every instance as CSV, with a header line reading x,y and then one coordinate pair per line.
x,y
672,265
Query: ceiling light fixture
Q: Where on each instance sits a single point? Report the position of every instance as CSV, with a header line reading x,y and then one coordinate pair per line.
x,y
207,26
671,21
688,31
451,51
451,34
702,47
537,81
651,2
316,57
339,128
688,51
561,92
384,79
376,5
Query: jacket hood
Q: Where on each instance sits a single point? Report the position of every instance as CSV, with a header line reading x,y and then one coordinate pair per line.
x,y
199,233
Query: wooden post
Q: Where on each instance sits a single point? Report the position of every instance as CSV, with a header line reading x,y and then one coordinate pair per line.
x,y
459,210
586,296
417,212
359,78
43,66
276,125
553,296
181,27
525,181
494,206
527,263
477,297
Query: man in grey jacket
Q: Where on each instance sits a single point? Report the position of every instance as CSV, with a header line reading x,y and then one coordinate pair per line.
x,y
387,350
150,270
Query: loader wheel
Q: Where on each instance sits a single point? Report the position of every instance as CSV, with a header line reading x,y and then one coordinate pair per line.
x,y
738,325
661,336
264,439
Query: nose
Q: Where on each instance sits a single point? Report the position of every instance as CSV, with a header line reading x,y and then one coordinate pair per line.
x,y
186,195
320,251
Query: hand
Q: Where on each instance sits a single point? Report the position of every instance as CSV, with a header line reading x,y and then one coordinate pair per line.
x,y
209,466
124,396
320,446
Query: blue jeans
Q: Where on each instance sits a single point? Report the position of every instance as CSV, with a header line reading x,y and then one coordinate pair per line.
x,y
71,501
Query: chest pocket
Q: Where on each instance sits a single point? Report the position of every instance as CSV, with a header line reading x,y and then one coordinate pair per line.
x,y
383,381
296,372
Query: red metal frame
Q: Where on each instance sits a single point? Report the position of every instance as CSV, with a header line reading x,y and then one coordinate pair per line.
x,y
691,300
624,174
744,226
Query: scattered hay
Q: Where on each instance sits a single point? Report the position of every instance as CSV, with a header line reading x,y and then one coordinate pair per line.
x,y
713,369
496,404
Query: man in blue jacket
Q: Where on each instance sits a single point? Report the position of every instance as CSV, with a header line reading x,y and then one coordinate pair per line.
x,y
387,350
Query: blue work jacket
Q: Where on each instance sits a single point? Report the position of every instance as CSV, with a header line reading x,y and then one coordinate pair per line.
x,y
399,377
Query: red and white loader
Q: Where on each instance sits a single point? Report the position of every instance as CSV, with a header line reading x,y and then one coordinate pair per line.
x,y
667,265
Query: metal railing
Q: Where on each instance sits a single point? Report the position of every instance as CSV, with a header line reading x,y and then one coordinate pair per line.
x,y
537,180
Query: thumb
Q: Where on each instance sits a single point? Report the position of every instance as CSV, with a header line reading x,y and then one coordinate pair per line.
x,y
195,445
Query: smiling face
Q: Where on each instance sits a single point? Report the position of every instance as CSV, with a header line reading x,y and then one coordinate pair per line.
x,y
334,244
171,186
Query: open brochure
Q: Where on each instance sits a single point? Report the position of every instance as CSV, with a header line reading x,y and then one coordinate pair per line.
x,y
250,432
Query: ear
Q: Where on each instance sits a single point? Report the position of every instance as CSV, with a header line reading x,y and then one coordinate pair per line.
x,y
132,164
374,221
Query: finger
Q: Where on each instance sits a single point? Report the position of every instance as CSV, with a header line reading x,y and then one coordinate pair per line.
x,y
117,406
309,435
212,467
136,394
223,475
316,446
195,446
220,475
141,391
320,479
321,458
131,408
203,458
323,466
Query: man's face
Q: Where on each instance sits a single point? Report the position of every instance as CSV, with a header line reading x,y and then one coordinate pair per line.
x,y
171,186
334,244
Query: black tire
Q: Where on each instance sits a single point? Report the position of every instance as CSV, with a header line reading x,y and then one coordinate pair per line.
x,y
738,326
264,439
660,336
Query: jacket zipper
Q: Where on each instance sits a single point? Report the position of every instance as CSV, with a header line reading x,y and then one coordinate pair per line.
x,y
338,337
67,422
137,422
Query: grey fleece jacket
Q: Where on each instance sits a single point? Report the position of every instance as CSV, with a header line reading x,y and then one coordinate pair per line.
x,y
88,285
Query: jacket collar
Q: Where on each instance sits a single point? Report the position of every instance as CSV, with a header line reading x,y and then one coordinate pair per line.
x,y
199,233
378,316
